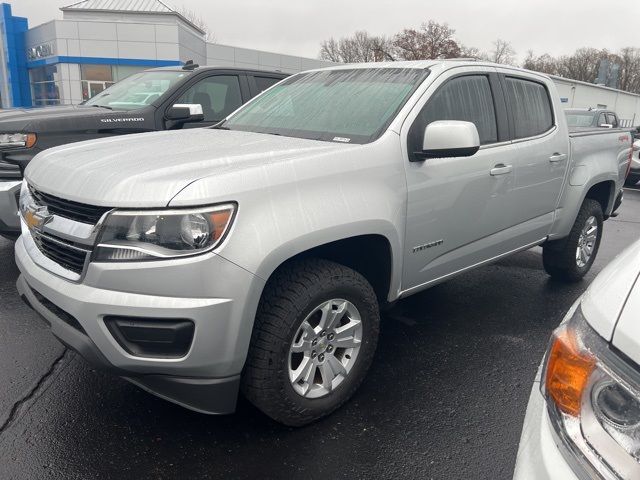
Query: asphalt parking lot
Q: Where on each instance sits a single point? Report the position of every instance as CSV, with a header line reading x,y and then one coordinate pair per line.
x,y
445,398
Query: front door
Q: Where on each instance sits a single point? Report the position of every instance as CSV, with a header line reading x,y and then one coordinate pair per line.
x,y
458,208
219,95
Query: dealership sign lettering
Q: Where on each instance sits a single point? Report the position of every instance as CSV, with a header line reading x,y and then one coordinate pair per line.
x,y
40,51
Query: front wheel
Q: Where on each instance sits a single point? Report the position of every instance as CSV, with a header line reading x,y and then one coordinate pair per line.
x,y
569,259
314,338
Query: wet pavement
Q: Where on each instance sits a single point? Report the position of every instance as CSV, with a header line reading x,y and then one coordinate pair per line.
x,y
445,398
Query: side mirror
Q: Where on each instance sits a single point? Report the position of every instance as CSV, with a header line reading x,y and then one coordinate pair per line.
x,y
185,112
449,138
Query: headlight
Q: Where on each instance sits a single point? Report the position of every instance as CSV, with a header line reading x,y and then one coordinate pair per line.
x,y
11,140
158,234
593,399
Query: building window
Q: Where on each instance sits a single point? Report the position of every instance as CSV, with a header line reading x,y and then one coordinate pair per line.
x,y
94,79
45,86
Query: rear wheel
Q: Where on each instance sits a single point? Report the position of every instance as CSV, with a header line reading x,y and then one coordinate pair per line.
x,y
314,338
569,259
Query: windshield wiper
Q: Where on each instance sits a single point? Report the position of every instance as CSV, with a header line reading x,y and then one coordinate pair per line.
x,y
103,106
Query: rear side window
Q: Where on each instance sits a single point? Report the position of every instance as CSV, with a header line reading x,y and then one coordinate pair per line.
x,y
467,98
262,83
531,106
612,120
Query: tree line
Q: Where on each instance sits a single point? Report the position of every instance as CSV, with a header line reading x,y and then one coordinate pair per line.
x,y
433,40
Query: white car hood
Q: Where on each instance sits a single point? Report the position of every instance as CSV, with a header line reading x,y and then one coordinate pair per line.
x,y
612,297
148,170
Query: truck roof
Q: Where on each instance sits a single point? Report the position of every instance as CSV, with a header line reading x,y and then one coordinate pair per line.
x,y
201,68
423,64
588,110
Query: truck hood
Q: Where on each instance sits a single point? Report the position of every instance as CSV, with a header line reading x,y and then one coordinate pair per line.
x,y
148,170
38,119
608,299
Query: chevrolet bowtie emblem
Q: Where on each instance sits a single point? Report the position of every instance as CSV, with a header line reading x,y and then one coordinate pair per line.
x,y
37,217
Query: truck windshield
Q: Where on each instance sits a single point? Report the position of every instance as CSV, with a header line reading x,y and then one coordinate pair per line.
x,y
138,90
350,106
582,119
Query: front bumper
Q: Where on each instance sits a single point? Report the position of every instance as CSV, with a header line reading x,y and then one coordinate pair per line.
x,y
9,220
539,455
219,297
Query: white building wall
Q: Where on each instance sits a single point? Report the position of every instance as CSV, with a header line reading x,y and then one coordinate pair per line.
x,y
585,95
226,55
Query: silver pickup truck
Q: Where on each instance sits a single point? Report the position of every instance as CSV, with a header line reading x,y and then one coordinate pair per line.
x,y
256,255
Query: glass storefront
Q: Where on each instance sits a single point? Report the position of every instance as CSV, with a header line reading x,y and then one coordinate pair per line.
x,y
46,82
45,86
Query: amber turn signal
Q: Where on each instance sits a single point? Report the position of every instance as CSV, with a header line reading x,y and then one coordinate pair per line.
x,y
30,140
220,220
568,370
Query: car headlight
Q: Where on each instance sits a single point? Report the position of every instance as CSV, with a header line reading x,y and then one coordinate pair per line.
x,y
12,140
162,234
593,399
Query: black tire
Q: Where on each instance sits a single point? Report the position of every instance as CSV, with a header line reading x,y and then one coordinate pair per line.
x,y
289,297
12,237
559,256
631,180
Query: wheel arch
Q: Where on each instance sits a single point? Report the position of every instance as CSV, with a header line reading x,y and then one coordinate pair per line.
x,y
376,256
601,188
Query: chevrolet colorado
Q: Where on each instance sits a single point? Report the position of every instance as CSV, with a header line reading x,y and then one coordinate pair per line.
x,y
157,99
256,254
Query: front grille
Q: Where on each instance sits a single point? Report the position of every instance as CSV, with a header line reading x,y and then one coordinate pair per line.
x,y
9,171
58,312
63,253
79,212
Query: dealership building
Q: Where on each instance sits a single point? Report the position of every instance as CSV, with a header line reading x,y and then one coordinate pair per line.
x,y
99,42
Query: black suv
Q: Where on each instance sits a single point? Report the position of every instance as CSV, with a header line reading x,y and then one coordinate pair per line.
x,y
157,99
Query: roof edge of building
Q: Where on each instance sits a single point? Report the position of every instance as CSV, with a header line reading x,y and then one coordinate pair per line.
x,y
72,8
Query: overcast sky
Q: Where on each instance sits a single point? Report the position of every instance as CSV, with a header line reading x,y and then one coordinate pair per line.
x,y
298,26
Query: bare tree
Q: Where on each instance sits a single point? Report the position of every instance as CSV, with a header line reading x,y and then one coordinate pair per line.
x,y
583,65
432,40
502,52
544,63
359,47
199,22
629,60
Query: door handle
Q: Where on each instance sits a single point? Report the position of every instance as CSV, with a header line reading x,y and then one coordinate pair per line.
x,y
557,157
501,169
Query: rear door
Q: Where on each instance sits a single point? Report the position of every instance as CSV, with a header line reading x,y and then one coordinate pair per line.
x,y
540,152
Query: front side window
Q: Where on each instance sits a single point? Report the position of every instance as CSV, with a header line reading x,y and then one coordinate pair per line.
x,y
137,90
611,120
219,96
531,107
468,99
345,105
